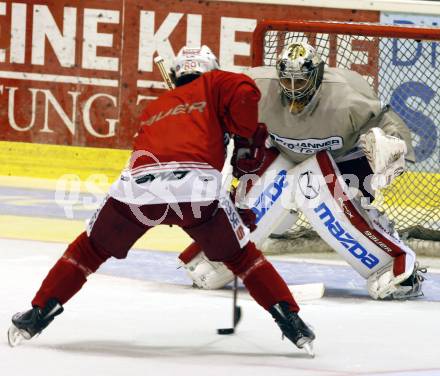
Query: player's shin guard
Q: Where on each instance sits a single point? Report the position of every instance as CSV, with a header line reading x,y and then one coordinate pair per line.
x,y
261,279
70,272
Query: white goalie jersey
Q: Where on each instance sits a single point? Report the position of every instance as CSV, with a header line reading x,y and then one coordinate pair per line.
x,y
344,107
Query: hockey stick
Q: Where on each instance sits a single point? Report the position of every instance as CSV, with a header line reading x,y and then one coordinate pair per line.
x,y
305,292
159,61
236,311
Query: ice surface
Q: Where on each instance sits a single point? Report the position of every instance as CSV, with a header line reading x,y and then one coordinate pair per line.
x,y
158,325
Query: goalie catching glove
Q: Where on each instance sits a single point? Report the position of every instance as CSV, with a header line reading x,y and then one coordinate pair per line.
x,y
385,154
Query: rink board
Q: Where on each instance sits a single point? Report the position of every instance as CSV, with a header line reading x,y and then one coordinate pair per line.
x,y
100,167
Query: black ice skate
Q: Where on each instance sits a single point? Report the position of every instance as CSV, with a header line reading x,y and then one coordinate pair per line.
x,y
293,327
26,325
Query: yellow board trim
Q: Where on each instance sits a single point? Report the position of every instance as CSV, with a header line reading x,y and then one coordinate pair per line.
x,y
53,161
160,238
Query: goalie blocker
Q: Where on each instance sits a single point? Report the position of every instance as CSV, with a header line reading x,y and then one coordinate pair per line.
x,y
361,236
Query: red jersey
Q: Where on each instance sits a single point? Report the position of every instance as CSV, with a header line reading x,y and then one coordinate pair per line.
x,y
188,124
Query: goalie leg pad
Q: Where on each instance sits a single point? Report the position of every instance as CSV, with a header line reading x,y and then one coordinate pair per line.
x,y
271,199
205,274
343,224
383,284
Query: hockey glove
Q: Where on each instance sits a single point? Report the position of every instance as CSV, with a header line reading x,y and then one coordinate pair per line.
x,y
248,217
385,154
248,155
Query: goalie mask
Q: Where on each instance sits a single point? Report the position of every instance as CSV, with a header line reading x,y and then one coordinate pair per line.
x,y
190,63
300,70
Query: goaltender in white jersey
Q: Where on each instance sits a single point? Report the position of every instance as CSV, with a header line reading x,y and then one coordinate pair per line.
x,y
326,122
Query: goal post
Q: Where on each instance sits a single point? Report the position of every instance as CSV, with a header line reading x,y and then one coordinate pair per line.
x,y
265,28
402,64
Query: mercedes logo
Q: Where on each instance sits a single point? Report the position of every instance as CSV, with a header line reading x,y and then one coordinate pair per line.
x,y
309,185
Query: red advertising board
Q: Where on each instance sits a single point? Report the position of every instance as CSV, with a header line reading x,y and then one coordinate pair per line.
x,y
76,72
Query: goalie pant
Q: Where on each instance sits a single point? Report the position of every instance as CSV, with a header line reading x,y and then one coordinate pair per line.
x,y
115,228
360,236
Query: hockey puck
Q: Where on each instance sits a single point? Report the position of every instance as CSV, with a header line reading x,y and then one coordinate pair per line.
x,y
225,331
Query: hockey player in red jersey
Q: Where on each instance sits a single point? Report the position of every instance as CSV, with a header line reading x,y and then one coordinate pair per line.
x,y
174,178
